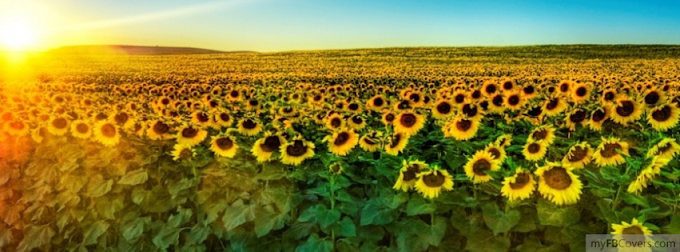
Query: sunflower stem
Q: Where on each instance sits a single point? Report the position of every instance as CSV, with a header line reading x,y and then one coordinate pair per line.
x,y
332,191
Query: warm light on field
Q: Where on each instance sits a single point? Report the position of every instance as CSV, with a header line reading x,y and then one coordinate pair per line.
x,y
17,35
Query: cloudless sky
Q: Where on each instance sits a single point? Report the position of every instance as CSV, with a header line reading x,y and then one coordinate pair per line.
x,y
280,25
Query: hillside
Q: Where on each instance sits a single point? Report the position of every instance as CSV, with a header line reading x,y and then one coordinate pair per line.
x,y
130,50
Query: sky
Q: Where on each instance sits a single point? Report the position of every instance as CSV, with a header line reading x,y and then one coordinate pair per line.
x,y
283,25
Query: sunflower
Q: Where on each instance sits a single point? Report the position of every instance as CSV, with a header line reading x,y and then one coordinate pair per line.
x,y
407,174
249,127
625,110
223,119
342,141
514,101
503,140
461,128
635,227
647,174
58,126
497,152
81,129
664,117
335,121
597,118
609,96
519,186
202,119
666,148
611,152
356,122
479,164
489,89
16,127
158,130
496,103
544,133
183,152
191,135
397,143
653,97
409,122
431,183
578,155
558,184
555,106
106,133
577,116
529,91
535,151
264,147
459,97
223,145
581,93
39,134
370,142
296,151
471,111
442,109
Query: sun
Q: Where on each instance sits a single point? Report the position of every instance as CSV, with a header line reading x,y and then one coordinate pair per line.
x,y
17,35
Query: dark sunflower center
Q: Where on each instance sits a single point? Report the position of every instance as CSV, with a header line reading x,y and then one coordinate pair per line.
x,y
287,110
404,105
353,106
224,143
224,117
249,124
480,167
271,144
389,117
632,230
490,89
610,150
564,87
463,125
578,154
342,138
507,85
652,98
534,148
436,179
161,128
521,180
378,102
460,98
497,100
536,111
529,89
82,128
495,153
476,94
395,140
444,108
202,117
663,149
234,93
369,141
540,134
59,123
609,96
626,108
408,120
663,114
557,178
17,125
336,122
513,100
165,101
297,149
138,127
414,97
108,130
552,104
598,115
189,132
469,110
577,116
185,154
357,120
581,91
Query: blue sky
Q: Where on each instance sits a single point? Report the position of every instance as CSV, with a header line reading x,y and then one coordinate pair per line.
x,y
280,25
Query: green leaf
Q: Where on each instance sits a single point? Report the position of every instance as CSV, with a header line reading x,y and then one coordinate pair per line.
x,y
552,215
271,172
134,229
418,205
497,220
135,177
93,232
198,234
674,226
345,228
483,240
327,217
5,237
611,173
298,230
235,215
177,187
183,216
635,200
315,244
267,220
98,186
35,237
434,233
527,222
375,213
166,237
310,214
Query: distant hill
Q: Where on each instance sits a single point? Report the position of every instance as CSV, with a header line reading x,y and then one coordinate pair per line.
x,y
130,50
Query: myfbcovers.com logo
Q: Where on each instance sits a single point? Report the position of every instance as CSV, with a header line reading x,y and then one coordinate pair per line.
x,y
633,242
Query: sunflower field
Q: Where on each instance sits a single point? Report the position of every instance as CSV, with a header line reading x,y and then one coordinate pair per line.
x,y
396,149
